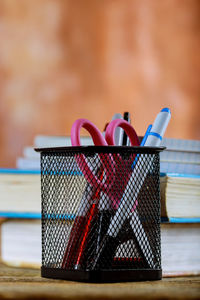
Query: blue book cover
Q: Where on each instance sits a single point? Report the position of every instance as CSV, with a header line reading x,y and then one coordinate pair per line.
x,y
180,220
173,174
18,171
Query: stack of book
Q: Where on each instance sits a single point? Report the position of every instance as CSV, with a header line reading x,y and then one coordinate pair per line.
x,y
20,212
20,215
20,204
180,156
180,206
30,159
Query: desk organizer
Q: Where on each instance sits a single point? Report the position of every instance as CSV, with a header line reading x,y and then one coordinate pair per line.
x,y
101,213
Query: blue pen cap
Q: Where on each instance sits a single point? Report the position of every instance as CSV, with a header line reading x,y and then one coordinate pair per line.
x,y
166,109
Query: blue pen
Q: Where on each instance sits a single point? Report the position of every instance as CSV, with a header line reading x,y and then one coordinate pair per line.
x,y
146,135
142,144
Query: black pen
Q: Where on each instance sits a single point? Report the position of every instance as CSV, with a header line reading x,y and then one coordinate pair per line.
x,y
103,219
127,118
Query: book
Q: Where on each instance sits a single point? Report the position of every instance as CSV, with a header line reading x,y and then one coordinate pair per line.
x,y
179,167
21,243
26,163
180,244
181,144
47,141
180,156
180,248
30,159
20,192
192,157
180,196
29,152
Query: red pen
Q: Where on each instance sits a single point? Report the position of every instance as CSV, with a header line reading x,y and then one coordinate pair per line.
x,y
77,228
81,228
86,237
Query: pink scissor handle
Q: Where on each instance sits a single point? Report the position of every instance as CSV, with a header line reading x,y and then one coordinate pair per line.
x,y
98,140
95,133
130,131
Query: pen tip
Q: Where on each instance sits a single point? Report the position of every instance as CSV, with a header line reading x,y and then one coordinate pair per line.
x,y
166,109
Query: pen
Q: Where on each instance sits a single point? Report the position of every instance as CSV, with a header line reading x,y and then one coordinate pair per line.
x,y
77,229
79,224
158,129
118,131
142,144
103,219
110,241
87,237
105,210
126,141
146,135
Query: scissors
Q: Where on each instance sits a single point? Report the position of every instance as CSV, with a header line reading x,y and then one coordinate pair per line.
x,y
112,164
108,164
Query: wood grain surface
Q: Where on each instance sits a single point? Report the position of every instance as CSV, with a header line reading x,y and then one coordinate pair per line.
x,y
18,283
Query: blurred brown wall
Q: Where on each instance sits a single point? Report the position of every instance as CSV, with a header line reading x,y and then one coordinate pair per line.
x,y
61,60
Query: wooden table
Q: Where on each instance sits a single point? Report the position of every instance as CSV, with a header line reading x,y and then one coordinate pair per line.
x,y
17,283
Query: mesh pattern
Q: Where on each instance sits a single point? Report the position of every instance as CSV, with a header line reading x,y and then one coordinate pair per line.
x,y
107,221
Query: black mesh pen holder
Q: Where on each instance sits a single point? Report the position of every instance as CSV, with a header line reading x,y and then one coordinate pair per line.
x,y
101,213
